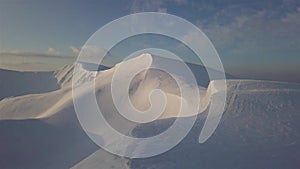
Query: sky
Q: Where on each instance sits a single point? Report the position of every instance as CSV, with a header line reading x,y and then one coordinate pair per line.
x,y
254,38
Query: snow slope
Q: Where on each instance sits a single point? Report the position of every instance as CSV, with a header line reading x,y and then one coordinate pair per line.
x,y
258,130
50,103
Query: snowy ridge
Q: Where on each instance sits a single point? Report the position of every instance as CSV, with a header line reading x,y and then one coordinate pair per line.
x,y
64,76
255,121
144,83
260,115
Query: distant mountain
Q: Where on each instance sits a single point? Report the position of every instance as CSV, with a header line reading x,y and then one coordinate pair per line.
x,y
200,72
91,66
14,83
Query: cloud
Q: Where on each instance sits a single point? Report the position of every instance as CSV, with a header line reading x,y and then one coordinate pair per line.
x,y
51,53
154,5
163,10
91,54
146,5
181,2
261,39
292,17
259,30
75,50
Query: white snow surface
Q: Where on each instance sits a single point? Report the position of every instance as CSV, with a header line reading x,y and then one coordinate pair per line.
x,y
260,124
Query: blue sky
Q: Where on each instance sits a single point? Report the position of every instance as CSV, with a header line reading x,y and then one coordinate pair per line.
x,y
253,37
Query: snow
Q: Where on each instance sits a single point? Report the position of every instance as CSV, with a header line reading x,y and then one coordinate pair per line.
x,y
259,129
